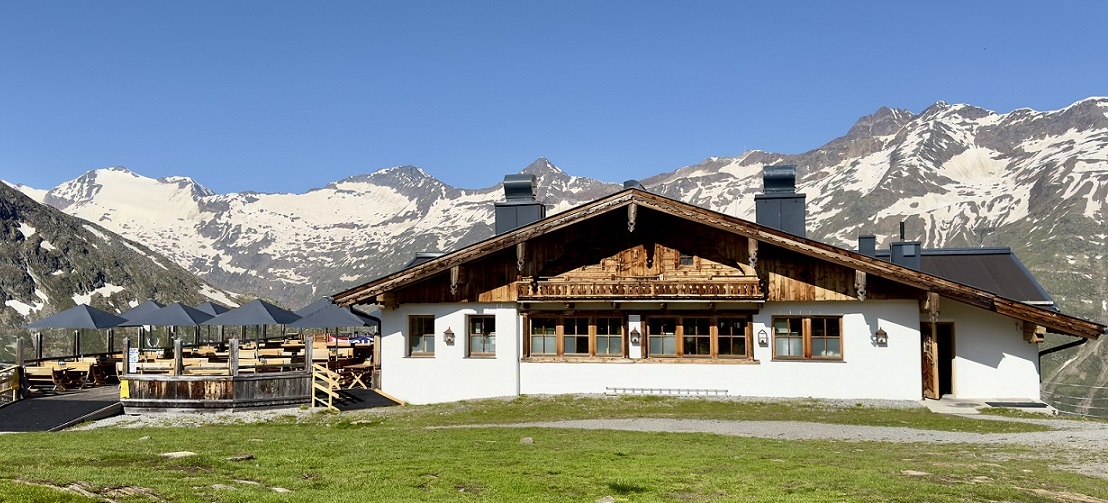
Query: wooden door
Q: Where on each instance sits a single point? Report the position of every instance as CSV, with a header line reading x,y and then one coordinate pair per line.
x,y
930,360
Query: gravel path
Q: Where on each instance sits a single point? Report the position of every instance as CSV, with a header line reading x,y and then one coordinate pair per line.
x,y
1084,435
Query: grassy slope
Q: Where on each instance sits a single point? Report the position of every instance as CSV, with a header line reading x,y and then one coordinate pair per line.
x,y
393,457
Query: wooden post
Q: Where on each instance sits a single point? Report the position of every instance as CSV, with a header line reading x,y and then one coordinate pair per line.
x,y
19,352
38,345
178,360
233,357
307,350
126,355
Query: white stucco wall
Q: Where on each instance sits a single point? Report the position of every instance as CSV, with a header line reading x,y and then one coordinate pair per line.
x,y
991,359
866,370
449,375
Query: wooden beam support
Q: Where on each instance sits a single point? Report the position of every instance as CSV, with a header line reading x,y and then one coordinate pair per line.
x,y
1033,333
860,284
752,252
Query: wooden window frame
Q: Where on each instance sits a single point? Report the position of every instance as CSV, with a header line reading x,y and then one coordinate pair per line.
x,y
621,336
806,336
560,334
486,336
429,321
713,320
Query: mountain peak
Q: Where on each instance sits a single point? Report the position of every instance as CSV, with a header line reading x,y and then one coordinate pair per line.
x,y
885,121
542,166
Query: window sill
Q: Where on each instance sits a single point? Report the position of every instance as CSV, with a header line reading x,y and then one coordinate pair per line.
x,y
481,357
654,360
421,357
809,360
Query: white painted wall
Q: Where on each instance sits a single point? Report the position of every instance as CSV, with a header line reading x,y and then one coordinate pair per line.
x,y
866,371
449,375
991,359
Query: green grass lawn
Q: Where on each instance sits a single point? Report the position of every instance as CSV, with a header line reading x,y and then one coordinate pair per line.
x,y
392,456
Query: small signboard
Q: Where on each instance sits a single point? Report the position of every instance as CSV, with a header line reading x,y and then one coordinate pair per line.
x,y
132,360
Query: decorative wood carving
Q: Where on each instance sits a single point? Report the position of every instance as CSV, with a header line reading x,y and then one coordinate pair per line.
x,y
455,272
632,214
931,306
860,284
521,256
752,252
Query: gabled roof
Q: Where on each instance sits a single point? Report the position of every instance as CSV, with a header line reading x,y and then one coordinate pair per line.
x,y
983,299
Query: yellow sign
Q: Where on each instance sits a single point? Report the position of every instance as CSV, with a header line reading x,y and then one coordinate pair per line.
x,y
124,389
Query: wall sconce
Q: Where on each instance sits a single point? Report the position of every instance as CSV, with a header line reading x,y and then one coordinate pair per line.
x,y
763,338
635,336
448,336
881,337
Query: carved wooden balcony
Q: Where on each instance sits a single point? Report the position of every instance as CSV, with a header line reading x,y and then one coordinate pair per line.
x,y
716,289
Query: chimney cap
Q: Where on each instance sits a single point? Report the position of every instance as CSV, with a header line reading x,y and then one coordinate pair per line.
x,y
633,184
779,179
520,186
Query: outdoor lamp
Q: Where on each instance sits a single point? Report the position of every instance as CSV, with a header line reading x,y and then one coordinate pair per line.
x,y
635,336
763,338
881,337
448,336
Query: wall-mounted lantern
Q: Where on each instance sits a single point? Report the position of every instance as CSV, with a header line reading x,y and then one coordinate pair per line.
x,y
881,337
763,338
448,336
635,336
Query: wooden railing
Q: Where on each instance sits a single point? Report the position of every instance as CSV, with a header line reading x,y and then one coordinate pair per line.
x,y
324,381
735,289
9,383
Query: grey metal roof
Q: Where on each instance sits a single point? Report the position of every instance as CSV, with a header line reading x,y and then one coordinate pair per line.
x,y
173,315
255,312
82,316
995,270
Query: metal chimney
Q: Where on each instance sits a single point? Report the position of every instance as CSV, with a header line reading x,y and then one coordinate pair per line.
x,y
780,206
867,245
906,253
520,206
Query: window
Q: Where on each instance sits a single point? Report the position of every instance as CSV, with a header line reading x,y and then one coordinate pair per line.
x,y
696,336
731,336
796,337
609,337
700,336
543,334
662,336
685,259
482,336
579,336
421,336
575,336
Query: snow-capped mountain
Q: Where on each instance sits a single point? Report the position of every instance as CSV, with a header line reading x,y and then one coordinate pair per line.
x,y
50,261
958,175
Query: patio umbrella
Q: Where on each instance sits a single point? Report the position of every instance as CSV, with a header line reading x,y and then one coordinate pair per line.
x,y
212,308
215,310
77,318
255,312
333,316
314,306
148,306
174,315
82,316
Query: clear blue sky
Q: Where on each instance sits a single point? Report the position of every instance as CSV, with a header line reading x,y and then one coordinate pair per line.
x,y
286,96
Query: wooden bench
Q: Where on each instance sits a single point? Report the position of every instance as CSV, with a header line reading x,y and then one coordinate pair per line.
x,y
49,375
